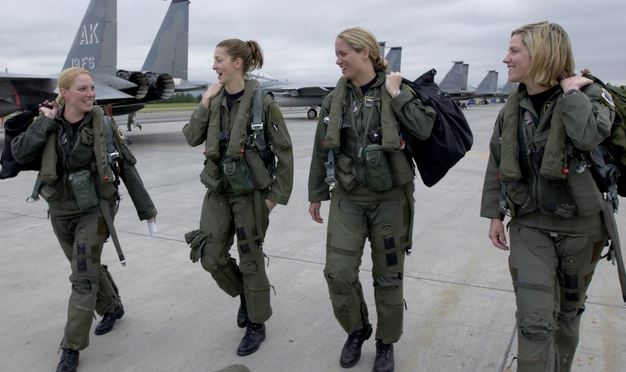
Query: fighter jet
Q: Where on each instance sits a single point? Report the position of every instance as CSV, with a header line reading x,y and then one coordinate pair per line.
x,y
455,84
95,49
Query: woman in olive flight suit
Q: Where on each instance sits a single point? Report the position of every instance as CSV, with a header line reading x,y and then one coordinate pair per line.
x,y
539,174
244,134
79,179
358,164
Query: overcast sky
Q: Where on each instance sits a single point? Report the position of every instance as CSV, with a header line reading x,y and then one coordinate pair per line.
x,y
298,36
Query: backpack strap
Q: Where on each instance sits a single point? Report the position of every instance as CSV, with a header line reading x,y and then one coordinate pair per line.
x,y
257,120
111,148
112,155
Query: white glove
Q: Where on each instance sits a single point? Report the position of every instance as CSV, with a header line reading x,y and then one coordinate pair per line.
x,y
152,227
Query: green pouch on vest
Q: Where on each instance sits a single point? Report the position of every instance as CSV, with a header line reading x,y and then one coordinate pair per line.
x,y
517,197
345,173
84,189
376,168
261,178
585,192
238,176
210,175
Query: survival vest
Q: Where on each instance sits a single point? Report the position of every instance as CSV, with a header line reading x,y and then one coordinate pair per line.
x,y
451,136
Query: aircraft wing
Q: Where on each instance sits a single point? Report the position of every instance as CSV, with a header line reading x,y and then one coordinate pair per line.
x,y
4,76
20,90
299,90
182,85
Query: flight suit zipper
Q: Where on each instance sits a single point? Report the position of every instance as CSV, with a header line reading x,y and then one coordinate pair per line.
x,y
360,109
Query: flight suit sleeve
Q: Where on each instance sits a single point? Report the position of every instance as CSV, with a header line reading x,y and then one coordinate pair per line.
x,y
318,189
414,116
195,130
587,117
28,145
132,180
283,150
489,205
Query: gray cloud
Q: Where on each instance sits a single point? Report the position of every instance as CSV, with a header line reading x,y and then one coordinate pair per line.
x,y
298,39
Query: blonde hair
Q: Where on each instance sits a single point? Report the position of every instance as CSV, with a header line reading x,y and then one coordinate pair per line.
x,y
249,51
360,38
550,51
66,79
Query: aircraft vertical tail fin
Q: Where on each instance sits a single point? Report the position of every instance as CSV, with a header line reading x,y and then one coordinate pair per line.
x,y
169,51
394,59
95,44
455,80
508,88
489,85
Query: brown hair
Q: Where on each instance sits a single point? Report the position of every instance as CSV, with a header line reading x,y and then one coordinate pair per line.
x,y
66,78
360,38
249,51
551,56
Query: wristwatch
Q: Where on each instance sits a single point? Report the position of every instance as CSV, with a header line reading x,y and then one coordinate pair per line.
x,y
571,91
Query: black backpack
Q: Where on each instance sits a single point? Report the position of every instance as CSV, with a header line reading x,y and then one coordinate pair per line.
x,y
609,159
451,137
12,128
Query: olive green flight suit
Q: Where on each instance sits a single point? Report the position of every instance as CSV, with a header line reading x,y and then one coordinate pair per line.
x,y
552,258
82,233
356,213
225,214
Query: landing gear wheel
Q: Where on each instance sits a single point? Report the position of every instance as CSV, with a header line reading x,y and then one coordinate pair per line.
x,y
311,114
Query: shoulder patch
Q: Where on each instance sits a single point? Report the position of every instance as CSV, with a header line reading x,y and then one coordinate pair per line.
x,y
608,97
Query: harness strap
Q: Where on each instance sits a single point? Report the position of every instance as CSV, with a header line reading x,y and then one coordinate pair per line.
x,y
257,120
106,213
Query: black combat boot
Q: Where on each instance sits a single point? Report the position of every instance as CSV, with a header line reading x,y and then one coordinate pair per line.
x,y
384,357
108,321
242,314
351,352
255,334
69,361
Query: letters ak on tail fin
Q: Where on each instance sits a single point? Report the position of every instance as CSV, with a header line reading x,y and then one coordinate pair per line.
x,y
451,137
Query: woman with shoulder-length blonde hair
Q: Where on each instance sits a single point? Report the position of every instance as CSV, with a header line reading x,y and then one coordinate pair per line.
x,y
539,174
358,164
79,179
248,169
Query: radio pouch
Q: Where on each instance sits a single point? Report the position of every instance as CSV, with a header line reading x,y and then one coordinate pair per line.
x,y
238,176
376,168
84,189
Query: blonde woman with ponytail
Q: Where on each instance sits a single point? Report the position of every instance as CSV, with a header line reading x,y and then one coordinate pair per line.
x,y
79,180
359,165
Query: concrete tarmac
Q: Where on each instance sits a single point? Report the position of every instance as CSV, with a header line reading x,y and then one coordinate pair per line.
x,y
460,304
